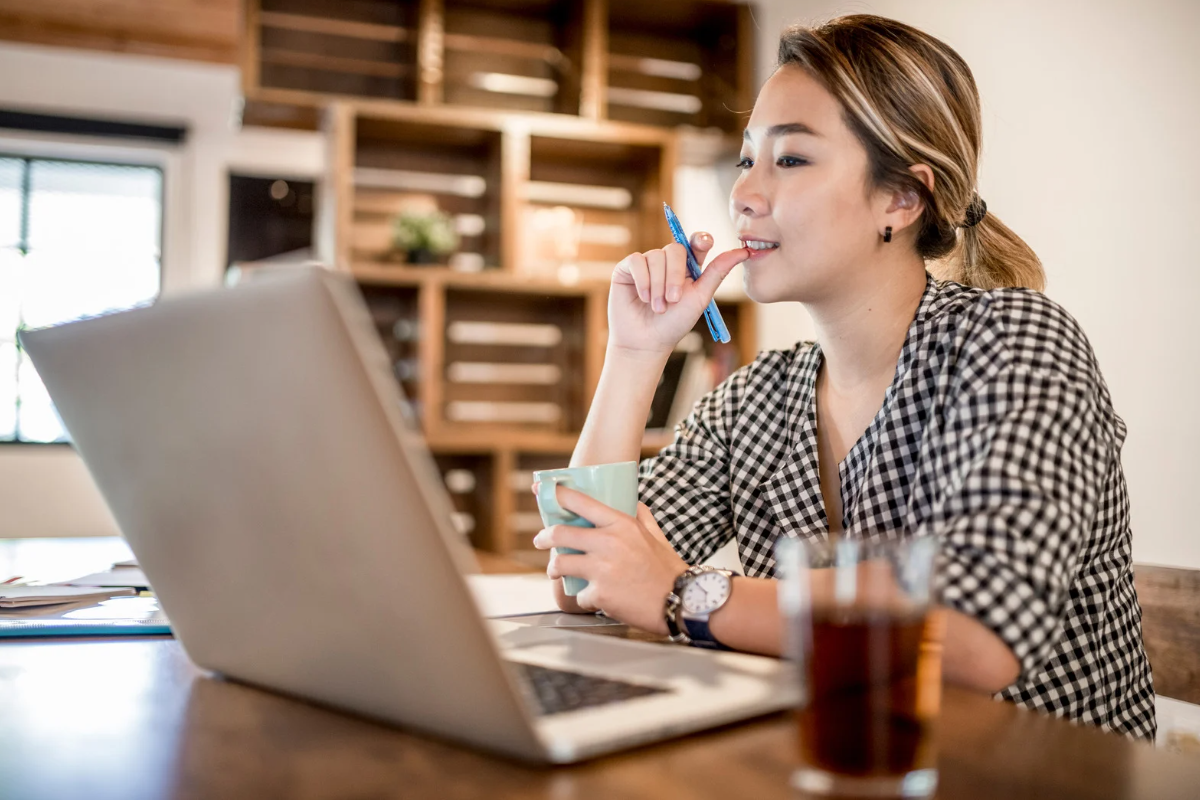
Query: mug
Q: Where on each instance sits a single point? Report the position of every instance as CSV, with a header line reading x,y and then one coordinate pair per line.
x,y
615,485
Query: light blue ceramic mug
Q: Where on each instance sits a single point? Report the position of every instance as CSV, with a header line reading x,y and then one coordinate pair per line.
x,y
615,485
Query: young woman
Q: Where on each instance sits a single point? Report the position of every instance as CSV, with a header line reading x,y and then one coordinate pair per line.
x,y
971,408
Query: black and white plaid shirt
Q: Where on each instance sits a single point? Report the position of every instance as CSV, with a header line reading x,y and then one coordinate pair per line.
x,y
998,435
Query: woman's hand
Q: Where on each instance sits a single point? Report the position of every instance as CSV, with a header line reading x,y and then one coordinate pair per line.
x,y
653,303
628,563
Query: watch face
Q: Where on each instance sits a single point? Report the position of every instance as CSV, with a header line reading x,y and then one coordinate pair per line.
x,y
707,592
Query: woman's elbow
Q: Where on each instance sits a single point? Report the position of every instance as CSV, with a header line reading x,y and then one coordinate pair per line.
x,y
975,657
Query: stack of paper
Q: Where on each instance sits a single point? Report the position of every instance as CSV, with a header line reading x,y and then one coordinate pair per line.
x,y
28,596
118,576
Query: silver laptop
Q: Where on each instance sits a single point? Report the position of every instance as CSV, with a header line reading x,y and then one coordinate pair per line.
x,y
253,447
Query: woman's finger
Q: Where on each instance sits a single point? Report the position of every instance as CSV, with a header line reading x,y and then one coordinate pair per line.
x,y
587,507
646,517
717,271
570,564
585,539
587,598
677,272
702,242
656,262
634,265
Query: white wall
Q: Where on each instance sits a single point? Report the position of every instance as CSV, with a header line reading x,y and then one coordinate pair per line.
x,y
1090,119
46,491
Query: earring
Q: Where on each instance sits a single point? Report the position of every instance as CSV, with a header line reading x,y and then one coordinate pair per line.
x,y
887,233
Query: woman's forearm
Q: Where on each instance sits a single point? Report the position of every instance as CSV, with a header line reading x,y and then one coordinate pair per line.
x,y
750,619
616,420
972,655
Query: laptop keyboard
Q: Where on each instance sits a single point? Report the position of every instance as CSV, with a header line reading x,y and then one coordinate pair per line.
x,y
557,691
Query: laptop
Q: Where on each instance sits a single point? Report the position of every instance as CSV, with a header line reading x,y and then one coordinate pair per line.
x,y
258,457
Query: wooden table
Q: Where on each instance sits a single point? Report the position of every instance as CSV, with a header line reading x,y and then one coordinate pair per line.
x,y
133,718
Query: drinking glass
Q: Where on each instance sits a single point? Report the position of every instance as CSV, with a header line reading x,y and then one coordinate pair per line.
x,y
860,619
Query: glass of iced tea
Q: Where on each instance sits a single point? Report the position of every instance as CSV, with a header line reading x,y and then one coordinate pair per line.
x,y
861,622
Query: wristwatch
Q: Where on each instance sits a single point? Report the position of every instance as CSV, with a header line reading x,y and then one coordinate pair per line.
x,y
698,592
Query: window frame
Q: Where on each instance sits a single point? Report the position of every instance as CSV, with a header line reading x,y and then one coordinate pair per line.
x,y
86,150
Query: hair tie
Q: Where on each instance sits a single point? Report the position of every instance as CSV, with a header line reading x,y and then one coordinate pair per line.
x,y
976,211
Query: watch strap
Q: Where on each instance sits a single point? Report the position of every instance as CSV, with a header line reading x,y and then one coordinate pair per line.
x,y
671,614
701,636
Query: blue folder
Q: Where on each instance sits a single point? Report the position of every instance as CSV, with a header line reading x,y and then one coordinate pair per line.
x,y
16,628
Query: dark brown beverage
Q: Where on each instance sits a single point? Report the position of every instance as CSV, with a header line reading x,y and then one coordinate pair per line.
x,y
871,696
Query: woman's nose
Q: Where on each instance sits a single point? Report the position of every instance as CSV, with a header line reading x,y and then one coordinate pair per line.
x,y
747,199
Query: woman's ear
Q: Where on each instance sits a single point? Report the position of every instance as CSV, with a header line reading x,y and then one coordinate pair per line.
x,y
924,175
906,205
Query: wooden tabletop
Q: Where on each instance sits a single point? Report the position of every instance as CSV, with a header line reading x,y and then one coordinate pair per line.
x,y
133,718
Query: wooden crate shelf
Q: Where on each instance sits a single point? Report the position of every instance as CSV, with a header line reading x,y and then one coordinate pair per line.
x,y
680,62
515,365
395,312
522,56
492,280
494,112
355,47
587,205
669,63
402,165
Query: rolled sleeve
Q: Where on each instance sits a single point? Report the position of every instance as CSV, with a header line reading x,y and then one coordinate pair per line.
x,y
1024,464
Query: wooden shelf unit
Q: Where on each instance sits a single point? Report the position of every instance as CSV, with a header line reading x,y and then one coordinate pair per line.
x,y
681,63
499,347
365,48
415,310
670,63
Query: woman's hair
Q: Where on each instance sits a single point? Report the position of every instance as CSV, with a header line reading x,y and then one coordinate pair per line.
x,y
910,99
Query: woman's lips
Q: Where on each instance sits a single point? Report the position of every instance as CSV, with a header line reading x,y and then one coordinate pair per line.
x,y
756,254
763,248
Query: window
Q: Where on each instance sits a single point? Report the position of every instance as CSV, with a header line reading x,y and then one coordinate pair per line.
x,y
77,239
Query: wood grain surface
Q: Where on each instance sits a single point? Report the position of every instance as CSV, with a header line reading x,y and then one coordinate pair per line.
x,y
201,30
134,718
1170,600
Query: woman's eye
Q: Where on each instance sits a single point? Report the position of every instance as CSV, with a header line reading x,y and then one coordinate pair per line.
x,y
745,163
791,161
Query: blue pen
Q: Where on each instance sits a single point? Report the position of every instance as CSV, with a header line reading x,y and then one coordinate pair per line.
x,y
716,325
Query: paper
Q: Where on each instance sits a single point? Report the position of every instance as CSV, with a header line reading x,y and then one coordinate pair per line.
x,y
512,595
121,616
122,576
29,596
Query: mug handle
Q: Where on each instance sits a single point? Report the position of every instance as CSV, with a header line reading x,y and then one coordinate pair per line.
x,y
548,495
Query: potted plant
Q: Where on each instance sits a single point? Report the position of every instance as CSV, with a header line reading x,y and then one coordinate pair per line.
x,y
424,236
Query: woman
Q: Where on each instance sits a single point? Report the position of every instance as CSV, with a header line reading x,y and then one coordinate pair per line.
x,y
972,408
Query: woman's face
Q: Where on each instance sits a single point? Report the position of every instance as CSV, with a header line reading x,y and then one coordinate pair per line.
x,y
803,192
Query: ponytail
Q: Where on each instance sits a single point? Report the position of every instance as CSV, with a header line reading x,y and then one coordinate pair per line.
x,y
989,255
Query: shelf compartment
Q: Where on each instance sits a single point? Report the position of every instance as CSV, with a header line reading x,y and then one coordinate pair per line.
x,y
363,48
513,55
394,310
679,62
512,365
589,204
524,521
468,478
404,166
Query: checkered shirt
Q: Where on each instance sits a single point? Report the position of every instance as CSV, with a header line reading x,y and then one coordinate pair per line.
x,y
998,435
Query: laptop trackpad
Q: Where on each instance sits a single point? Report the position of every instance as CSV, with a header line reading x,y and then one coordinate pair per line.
x,y
548,644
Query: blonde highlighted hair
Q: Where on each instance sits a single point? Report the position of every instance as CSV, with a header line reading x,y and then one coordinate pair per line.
x,y
910,99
